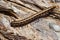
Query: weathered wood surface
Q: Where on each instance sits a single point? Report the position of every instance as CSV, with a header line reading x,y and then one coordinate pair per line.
x,y
39,29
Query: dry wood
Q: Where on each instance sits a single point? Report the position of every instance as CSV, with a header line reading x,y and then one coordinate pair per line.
x,y
11,36
56,16
36,30
22,5
8,12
